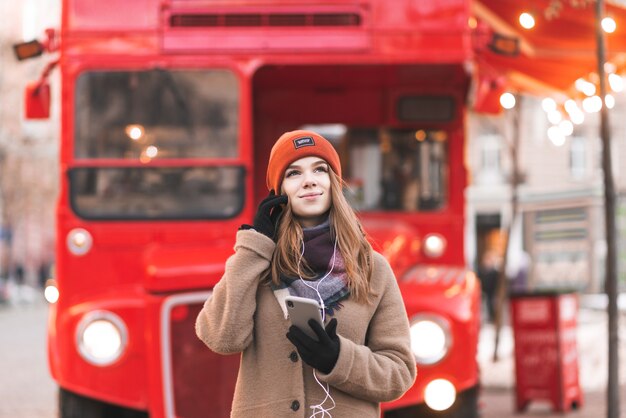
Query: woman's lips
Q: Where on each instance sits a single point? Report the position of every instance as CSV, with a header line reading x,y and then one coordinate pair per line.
x,y
310,196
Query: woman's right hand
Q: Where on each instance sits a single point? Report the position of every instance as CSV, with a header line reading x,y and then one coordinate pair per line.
x,y
268,214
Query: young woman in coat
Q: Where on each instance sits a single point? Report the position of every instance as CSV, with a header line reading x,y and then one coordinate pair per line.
x,y
306,241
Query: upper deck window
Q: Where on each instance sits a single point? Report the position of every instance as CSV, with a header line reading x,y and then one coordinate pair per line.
x,y
157,114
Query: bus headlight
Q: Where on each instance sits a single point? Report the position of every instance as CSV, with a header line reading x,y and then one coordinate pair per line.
x,y
434,245
430,338
79,241
101,337
439,394
51,291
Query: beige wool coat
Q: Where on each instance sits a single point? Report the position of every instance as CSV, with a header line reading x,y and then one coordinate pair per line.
x,y
375,361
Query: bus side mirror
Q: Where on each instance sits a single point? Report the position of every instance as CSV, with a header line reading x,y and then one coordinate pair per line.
x,y
37,100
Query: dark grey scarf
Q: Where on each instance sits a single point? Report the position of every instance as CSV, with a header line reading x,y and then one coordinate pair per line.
x,y
319,247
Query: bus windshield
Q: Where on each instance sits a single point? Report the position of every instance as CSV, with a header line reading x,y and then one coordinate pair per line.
x,y
154,115
157,192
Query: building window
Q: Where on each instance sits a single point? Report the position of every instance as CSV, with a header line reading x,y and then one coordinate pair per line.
x,y
578,158
490,170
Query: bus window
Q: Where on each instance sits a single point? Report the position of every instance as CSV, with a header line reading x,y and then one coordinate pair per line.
x,y
157,114
396,169
157,192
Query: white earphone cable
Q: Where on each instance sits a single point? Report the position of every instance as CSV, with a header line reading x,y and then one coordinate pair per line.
x,y
319,408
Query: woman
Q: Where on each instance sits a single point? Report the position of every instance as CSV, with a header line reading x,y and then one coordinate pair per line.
x,y
308,242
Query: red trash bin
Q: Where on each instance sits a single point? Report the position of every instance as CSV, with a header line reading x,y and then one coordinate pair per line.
x,y
546,354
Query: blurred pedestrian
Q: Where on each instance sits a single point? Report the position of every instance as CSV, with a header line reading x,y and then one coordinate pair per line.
x,y
44,274
488,275
18,274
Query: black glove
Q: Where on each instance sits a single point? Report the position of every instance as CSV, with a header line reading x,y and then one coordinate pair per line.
x,y
268,215
321,354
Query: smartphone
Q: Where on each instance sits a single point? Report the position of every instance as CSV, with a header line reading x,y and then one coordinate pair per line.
x,y
301,310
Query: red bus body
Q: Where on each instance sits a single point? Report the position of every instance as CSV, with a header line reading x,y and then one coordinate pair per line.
x,y
381,70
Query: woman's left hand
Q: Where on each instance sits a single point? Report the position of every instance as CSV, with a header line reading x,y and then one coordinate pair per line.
x,y
321,354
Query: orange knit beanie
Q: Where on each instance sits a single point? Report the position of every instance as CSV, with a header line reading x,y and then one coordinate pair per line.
x,y
292,146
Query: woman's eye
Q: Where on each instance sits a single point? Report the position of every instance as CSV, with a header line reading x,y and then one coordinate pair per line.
x,y
291,173
322,169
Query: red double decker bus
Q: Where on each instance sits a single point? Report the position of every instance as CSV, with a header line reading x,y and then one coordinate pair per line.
x,y
169,111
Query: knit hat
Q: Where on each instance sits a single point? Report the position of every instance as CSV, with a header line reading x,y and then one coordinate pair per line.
x,y
292,146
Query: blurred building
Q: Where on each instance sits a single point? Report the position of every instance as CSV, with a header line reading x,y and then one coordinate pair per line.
x,y
28,149
558,240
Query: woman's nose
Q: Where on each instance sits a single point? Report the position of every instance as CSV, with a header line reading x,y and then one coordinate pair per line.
x,y
309,180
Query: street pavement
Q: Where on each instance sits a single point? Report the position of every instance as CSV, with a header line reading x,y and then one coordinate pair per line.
x,y
27,390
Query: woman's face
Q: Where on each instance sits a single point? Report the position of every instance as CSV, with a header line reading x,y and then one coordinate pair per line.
x,y
306,183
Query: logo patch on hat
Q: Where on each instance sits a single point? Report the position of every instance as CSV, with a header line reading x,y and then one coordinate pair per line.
x,y
304,141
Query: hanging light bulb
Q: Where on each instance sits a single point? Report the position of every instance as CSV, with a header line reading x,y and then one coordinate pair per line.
x,y
548,104
589,89
592,104
556,136
555,117
507,100
571,106
577,117
566,127
608,24
616,82
609,67
527,20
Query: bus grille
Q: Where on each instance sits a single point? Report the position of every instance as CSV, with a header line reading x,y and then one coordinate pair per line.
x,y
265,20
202,382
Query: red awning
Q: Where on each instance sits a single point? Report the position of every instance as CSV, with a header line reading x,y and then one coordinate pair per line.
x,y
558,50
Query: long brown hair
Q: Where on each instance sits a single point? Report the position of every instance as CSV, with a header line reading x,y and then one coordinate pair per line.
x,y
351,242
